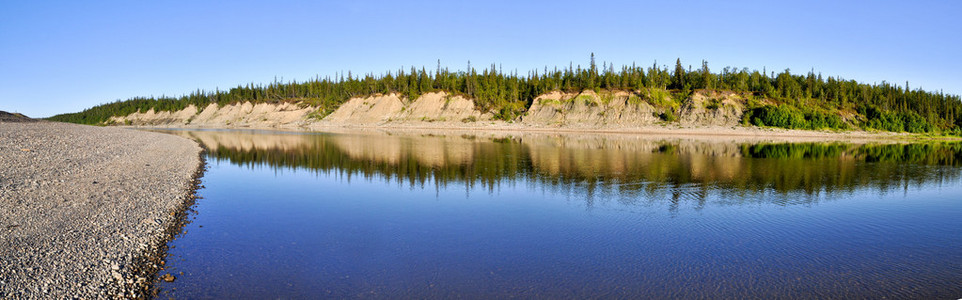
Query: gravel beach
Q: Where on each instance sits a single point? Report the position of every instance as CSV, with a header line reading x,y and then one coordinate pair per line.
x,y
85,212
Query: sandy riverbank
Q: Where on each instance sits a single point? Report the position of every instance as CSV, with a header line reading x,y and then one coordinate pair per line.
x,y
734,133
84,211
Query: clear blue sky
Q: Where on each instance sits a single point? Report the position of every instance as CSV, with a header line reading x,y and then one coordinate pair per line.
x,y
65,56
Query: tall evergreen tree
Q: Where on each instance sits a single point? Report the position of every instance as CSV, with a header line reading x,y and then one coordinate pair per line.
x,y
678,78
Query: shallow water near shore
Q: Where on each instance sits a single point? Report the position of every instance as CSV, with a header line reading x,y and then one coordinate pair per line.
x,y
375,215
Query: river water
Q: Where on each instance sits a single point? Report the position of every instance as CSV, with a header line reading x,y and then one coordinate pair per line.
x,y
499,215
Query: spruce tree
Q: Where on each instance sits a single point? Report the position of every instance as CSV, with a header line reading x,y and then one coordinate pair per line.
x,y
678,80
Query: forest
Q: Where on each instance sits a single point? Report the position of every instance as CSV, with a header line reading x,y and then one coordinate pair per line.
x,y
784,99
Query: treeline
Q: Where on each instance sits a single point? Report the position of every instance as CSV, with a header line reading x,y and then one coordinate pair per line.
x,y
787,100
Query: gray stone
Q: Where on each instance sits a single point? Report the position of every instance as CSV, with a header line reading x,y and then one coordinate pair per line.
x,y
66,242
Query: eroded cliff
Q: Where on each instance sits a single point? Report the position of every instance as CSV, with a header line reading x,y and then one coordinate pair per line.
x,y
585,110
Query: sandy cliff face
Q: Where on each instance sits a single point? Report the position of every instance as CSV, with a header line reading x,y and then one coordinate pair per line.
x,y
375,110
712,109
441,107
392,110
586,110
624,110
263,115
152,117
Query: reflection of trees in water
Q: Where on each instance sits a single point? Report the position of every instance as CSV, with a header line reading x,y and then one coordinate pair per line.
x,y
634,172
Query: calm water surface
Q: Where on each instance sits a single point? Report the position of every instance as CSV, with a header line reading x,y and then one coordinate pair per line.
x,y
372,215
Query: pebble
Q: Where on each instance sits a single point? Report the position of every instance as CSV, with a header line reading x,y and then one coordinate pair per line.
x,y
67,192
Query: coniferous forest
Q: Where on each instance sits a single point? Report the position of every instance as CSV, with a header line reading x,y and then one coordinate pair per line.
x,y
783,99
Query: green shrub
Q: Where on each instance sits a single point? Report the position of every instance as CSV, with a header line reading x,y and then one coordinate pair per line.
x,y
668,116
713,104
907,121
787,116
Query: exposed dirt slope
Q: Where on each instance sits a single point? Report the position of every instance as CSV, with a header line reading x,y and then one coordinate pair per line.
x,y
579,111
240,115
590,110
367,111
624,110
441,107
393,110
712,109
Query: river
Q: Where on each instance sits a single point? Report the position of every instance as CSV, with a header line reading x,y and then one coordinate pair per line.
x,y
369,214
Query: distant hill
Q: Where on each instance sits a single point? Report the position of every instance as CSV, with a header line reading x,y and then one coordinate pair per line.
x,y
14,117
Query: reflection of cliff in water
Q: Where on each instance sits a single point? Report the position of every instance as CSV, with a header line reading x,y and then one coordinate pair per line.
x,y
623,167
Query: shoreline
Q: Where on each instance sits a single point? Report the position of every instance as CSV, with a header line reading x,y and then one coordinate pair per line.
x,y
152,262
709,132
87,212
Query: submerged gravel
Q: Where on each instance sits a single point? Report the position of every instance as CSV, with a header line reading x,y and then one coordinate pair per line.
x,y
86,211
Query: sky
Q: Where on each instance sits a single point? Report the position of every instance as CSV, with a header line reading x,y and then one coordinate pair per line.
x,y
66,56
